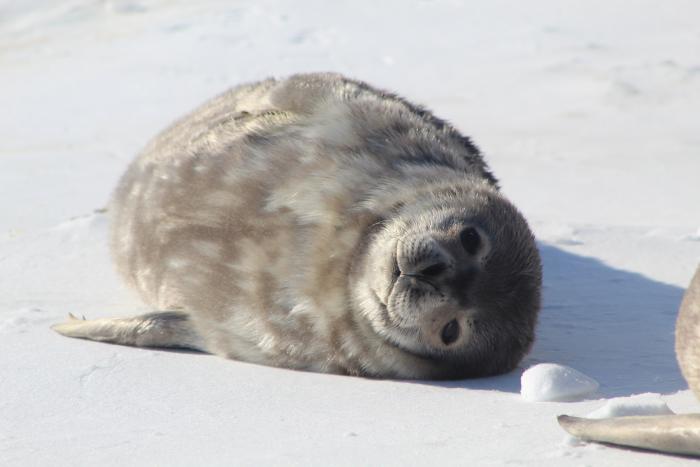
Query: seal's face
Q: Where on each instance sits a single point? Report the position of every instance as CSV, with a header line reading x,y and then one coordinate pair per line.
x,y
455,281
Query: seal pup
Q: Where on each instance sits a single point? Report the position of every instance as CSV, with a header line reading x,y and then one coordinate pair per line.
x,y
676,434
320,224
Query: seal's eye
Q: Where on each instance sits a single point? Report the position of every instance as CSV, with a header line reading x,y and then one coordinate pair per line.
x,y
470,240
450,332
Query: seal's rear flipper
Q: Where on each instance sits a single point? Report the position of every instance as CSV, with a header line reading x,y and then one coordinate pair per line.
x,y
675,434
158,329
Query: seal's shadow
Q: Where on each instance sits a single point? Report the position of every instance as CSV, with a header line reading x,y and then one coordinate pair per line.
x,y
613,325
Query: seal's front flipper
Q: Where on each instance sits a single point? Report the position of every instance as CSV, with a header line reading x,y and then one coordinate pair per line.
x,y
158,329
675,434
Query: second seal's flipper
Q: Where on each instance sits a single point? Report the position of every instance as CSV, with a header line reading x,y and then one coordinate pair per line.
x,y
675,434
159,329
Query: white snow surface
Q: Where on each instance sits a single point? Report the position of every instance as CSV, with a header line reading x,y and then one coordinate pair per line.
x,y
548,382
586,110
640,404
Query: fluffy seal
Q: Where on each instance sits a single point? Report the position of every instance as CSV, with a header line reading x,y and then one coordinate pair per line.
x,y
320,224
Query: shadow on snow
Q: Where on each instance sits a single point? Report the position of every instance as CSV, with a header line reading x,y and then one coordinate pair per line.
x,y
613,325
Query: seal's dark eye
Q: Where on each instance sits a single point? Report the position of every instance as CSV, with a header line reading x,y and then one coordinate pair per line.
x,y
470,240
450,332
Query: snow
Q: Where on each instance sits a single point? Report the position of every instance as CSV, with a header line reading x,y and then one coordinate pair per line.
x,y
553,382
586,111
640,404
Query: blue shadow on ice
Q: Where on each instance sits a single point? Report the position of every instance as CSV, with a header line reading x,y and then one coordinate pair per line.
x,y
613,325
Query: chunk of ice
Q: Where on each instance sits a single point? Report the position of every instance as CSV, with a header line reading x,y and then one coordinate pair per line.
x,y
553,382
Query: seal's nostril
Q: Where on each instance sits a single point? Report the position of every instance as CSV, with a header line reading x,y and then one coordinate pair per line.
x,y
433,270
450,333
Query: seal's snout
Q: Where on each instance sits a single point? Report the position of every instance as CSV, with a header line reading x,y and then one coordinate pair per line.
x,y
423,256
434,270
446,261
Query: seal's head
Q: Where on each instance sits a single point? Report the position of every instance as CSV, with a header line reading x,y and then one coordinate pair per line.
x,y
453,277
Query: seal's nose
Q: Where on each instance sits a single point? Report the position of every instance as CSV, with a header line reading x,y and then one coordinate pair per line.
x,y
434,270
461,284
422,256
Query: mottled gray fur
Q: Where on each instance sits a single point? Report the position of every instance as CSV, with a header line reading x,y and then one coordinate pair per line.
x,y
678,434
318,223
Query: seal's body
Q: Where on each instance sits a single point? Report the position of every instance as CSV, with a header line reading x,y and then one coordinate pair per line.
x,y
677,434
320,224
688,335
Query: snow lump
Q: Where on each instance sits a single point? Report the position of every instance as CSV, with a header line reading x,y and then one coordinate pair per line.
x,y
553,382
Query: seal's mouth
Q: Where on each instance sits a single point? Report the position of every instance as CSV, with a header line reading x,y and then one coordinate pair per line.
x,y
408,333
395,273
390,320
382,308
